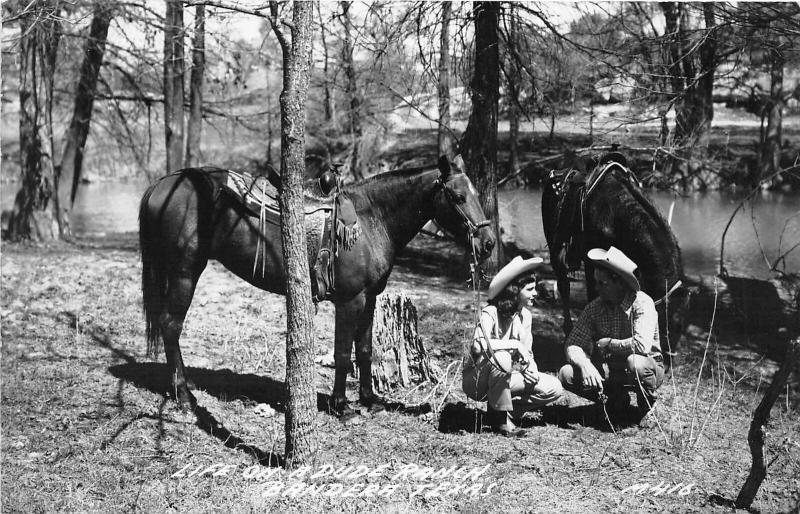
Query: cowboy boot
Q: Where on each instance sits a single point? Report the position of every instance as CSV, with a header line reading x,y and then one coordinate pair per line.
x,y
500,423
645,402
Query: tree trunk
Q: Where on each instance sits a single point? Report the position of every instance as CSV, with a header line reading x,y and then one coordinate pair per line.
x,y
672,13
692,65
173,85
301,402
72,158
329,103
756,436
354,115
33,215
696,110
194,130
771,141
513,79
398,355
479,144
444,140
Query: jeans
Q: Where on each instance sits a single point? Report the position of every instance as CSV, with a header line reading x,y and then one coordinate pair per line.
x,y
643,372
484,382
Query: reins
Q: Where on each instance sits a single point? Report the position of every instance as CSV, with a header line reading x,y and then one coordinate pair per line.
x,y
486,349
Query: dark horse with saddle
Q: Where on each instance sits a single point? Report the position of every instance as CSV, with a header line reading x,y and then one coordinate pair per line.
x,y
354,235
598,204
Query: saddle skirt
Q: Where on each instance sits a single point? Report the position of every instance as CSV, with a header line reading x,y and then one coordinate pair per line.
x,y
259,197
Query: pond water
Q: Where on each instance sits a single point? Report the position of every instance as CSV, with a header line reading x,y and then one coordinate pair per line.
x,y
697,219
100,207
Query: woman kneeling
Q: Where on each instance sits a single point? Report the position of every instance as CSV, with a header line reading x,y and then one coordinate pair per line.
x,y
500,364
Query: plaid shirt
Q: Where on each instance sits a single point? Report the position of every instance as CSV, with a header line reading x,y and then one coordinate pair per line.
x,y
633,326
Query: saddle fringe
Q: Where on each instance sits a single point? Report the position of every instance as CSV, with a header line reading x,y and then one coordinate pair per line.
x,y
347,236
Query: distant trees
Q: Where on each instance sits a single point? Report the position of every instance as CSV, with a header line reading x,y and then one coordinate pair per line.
x,y
354,126
444,138
195,125
70,170
173,84
35,215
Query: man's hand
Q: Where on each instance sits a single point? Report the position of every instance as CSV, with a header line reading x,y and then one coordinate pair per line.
x,y
591,377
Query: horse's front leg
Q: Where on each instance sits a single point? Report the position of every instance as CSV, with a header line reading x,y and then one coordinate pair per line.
x,y
562,280
347,314
591,286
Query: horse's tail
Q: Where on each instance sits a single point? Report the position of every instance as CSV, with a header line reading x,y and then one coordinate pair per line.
x,y
154,279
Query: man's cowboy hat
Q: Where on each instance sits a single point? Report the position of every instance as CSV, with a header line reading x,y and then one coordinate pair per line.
x,y
515,267
614,260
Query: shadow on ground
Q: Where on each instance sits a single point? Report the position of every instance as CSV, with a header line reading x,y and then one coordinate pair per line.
x,y
748,315
460,418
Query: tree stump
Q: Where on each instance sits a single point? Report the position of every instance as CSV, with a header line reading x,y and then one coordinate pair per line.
x,y
399,358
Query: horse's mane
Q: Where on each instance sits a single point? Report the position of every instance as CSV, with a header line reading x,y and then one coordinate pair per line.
x,y
654,215
364,191
645,203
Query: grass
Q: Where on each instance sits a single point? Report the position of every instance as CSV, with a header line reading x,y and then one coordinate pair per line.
x,y
87,427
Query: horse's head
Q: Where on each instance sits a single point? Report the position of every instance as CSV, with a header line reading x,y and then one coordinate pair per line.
x,y
458,209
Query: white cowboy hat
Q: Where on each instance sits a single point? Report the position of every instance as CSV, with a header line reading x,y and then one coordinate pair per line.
x,y
515,267
614,260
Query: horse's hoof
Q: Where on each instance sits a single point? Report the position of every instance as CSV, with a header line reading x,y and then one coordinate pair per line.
x,y
376,408
350,416
186,400
337,407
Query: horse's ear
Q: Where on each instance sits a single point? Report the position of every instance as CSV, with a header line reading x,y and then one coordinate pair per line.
x,y
458,164
444,166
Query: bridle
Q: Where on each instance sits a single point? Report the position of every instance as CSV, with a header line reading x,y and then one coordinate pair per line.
x,y
476,273
453,200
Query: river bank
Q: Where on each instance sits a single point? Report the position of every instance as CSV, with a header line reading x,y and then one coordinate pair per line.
x,y
86,425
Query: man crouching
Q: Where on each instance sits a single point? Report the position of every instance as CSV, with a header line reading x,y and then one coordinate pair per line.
x,y
615,342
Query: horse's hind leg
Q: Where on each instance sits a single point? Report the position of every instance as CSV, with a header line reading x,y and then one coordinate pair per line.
x,y
353,324
179,297
363,343
346,314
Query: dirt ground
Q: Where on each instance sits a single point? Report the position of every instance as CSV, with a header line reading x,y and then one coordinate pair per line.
x,y
86,425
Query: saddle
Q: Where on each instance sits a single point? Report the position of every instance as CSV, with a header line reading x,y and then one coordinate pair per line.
x,y
572,188
331,223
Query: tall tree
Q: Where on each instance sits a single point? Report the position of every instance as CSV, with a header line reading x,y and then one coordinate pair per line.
x,y
513,80
173,84
300,374
194,129
479,143
34,215
771,141
692,67
329,102
444,138
71,166
354,113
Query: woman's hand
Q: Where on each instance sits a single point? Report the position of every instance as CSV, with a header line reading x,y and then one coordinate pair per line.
x,y
531,374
